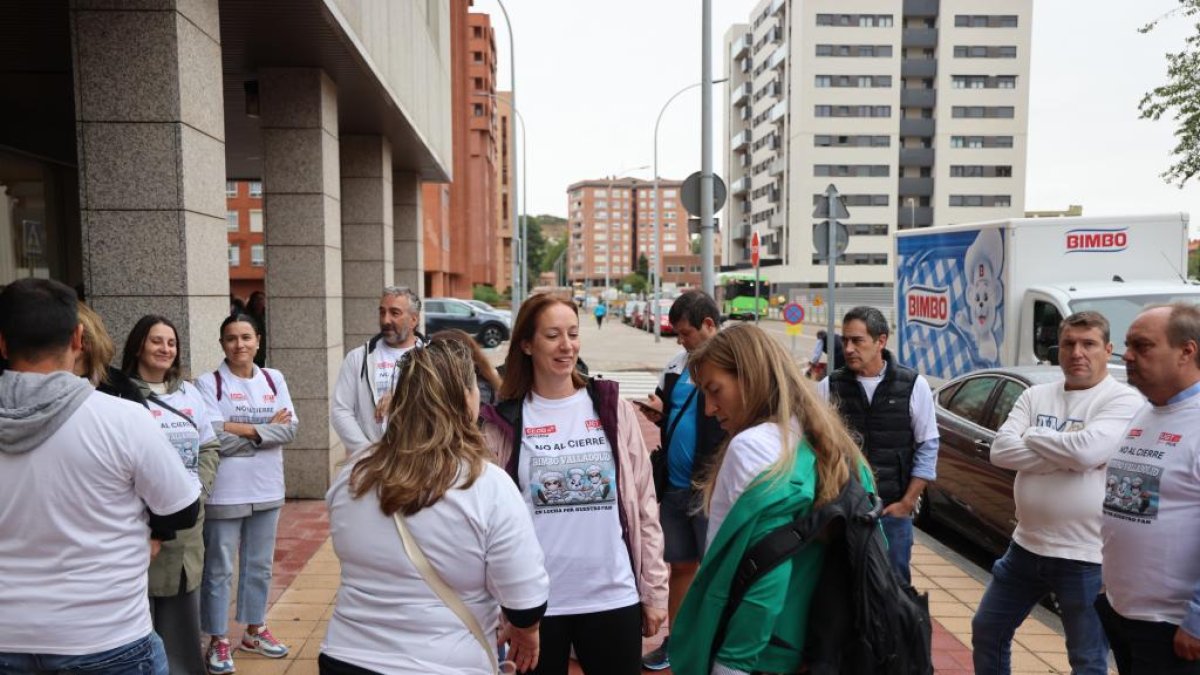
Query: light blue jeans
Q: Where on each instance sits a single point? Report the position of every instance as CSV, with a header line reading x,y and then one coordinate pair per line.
x,y
144,656
899,535
253,540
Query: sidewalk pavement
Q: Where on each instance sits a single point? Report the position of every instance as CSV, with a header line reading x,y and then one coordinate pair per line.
x,y
306,580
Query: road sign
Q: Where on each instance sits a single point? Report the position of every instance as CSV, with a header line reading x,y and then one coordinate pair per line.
x,y
754,249
793,314
691,194
823,209
821,239
34,237
794,330
818,301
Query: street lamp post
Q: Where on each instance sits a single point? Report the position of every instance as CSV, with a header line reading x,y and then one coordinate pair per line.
x,y
657,225
520,282
515,301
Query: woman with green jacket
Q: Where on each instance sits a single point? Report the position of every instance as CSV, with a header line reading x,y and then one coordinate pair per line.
x,y
151,359
787,453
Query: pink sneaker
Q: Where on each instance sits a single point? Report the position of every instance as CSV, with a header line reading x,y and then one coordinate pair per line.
x,y
264,643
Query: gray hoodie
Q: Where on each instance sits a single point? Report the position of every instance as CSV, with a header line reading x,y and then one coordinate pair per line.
x,y
33,406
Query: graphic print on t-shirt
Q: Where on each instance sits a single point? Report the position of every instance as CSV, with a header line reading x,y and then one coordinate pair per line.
x,y
1131,488
571,480
182,435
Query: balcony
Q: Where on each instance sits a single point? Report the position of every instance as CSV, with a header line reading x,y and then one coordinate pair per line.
x,y
777,6
918,98
778,166
742,94
916,157
916,187
919,37
918,68
740,141
917,127
778,112
745,114
773,195
921,8
740,186
746,64
774,88
778,221
908,217
741,232
747,207
778,57
740,46
775,34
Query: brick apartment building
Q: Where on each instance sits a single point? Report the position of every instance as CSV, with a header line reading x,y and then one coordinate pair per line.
x,y
244,224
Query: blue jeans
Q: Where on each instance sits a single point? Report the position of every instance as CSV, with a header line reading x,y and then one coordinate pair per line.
x,y
899,534
253,540
144,656
1019,580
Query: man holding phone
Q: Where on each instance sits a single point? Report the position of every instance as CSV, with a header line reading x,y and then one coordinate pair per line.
x,y
689,438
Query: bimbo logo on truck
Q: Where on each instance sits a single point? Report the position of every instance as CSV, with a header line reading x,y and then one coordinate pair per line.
x,y
928,306
1097,240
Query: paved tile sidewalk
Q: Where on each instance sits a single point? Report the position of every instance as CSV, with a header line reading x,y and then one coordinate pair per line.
x,y
306,580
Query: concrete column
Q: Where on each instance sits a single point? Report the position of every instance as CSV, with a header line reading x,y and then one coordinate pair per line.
x,y
303,234
410,250
367,237
151,145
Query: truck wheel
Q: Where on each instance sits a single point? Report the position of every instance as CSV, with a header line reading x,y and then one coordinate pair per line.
x,y
491,336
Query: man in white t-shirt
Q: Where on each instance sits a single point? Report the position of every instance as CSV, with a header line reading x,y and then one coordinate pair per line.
x,y
78,470
364,386
1058,438
1151,604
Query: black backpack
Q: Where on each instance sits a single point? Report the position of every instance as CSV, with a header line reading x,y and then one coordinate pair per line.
x,y
863,619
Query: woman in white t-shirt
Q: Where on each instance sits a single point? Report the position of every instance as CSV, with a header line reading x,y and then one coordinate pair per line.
x,y
433,468
574,448
151,360
256,421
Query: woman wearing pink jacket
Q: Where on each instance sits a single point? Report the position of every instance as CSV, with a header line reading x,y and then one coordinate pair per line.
x,y
575,450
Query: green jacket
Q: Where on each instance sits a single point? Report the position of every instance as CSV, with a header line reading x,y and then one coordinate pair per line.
x,y
185,553
767,631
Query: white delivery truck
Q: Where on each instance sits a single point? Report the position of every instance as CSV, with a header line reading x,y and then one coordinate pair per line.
x,y
992,294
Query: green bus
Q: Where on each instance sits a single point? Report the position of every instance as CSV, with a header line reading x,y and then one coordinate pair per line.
x,y
737,296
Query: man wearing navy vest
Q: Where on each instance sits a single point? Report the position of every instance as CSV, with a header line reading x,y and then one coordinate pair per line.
x,y
890,408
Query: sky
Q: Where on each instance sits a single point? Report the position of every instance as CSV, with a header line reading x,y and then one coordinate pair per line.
x,y
592,77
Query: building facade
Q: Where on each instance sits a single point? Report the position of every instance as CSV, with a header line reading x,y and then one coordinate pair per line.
x,y
506,168
916,111
247,251
465,256
611,223
121,123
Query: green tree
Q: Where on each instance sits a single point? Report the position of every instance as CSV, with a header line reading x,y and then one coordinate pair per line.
x,y
696,245
643,266
637,283
485,294
550,256
1179,98
1194,264
535,249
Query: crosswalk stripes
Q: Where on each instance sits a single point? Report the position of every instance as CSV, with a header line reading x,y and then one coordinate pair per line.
x,y
634,383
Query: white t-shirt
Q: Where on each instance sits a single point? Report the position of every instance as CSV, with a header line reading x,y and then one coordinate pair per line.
x,y
387,619
920,404
187,436
569,480
749,454
387,360
1151,511
257,478
1059,442
74,539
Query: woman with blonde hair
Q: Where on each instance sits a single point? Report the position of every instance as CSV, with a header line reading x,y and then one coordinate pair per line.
x,y
431,472
787,454
575,449
94,363
485,372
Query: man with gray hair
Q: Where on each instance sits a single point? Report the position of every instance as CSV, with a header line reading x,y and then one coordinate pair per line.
x,y
1150,606
364,387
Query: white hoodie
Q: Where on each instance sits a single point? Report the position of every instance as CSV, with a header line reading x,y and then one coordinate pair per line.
x,y
355,396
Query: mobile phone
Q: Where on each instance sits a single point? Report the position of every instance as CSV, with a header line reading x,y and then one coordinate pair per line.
x,y
646,406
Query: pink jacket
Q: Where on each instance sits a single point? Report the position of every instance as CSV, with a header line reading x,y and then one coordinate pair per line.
x,y
638,504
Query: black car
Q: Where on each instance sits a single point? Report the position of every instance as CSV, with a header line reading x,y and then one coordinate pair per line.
x,y
489,329
971,495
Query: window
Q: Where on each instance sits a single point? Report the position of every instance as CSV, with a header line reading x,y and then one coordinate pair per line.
x,y
981,141
256,220
1010,391
235,255
434,307
668,193
985,20
231,221
852,111
230,188
477,31
257,255
477,57
852,170
980,112
478,109
984,52
458,308
970,400
857,200
981,200
479,84
256,188
829,141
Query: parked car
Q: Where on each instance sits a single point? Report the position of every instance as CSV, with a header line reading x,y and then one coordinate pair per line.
x,y
971,495
664,309
488,328
632,311
479,304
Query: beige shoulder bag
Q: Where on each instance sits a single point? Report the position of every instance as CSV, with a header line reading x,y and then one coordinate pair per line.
x,y
443,590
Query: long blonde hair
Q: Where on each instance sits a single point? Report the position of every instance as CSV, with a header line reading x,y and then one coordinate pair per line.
x,y
98,347
773,390
431,435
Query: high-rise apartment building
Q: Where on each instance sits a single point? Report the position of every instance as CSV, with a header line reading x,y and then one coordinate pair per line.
x,y
916,111
505,169
244,227
611,223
